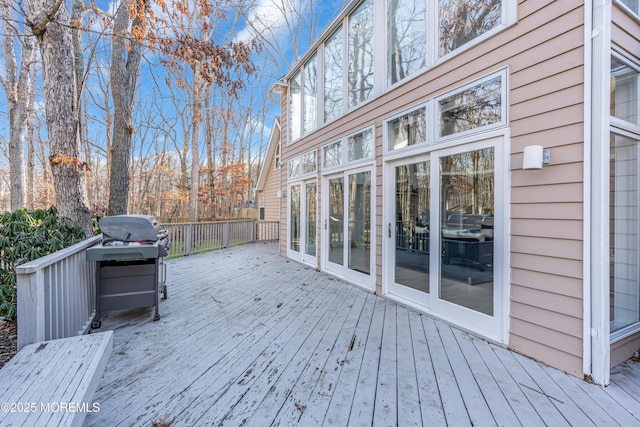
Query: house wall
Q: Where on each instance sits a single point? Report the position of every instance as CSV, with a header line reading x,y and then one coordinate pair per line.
x,y
625,38
544,55
271,188
282,178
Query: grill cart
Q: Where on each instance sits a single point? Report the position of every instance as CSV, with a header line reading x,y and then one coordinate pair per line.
x,y
130,269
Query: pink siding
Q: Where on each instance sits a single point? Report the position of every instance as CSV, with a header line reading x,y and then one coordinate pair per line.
x,y
544,55
625,32
546,210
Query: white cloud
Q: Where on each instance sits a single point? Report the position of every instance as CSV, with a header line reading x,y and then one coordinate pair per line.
x,y
268,16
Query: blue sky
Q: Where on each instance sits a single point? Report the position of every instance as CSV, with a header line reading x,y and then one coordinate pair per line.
x,y
152,79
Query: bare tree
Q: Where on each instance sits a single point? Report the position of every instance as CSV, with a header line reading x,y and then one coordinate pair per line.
x,y
49,22
17,86
125,70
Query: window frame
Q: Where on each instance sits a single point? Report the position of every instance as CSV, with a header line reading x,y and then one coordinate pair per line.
x,y
634,14
344,155
427,106
302,175
504,103
634,65
381,67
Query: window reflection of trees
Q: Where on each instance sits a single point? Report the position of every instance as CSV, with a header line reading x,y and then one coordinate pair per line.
x,y
333,65
309,162
360,146
294,244
310,95
361,53
468,183
294,167
407,43
477,106
462,21
336,218
333,155
412,206
295,104
408,130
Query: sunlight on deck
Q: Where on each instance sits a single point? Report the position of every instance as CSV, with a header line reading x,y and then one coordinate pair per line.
x,y
249,337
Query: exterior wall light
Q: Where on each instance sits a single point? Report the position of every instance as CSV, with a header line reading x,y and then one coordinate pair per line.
x,y
535,156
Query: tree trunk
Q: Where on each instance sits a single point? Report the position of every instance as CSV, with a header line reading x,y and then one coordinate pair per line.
x,y
196,124
31,144
61,108
124,80
17,85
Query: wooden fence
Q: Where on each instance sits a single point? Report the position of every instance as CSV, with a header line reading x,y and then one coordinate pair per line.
x,y
57,293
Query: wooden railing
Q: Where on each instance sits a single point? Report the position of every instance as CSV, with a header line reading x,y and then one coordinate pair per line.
x,y
56,293
189,238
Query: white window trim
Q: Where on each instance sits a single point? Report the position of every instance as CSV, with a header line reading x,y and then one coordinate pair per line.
x,y
345,163
304,132
361,280
401,152
628,10
381,85
634,65
277,157
494,328
301,176
504,103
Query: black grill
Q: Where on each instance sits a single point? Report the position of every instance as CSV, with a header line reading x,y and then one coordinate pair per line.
x,y
130,271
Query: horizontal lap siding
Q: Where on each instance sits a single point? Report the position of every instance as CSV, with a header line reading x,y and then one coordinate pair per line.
x,y
546,108
544,53
284,131
625,33
625,37
271,187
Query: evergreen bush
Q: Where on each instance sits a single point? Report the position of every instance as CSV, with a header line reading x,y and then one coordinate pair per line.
x,y
24,236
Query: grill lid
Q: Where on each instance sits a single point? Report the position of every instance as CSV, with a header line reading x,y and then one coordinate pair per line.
x,y
129,228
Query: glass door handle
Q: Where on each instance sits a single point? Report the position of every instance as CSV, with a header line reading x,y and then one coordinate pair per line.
x,y
389,230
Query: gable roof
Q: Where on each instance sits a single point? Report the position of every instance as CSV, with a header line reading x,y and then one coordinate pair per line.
x,y
274,140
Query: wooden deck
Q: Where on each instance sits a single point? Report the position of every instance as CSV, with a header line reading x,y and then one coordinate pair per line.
x,y
248,337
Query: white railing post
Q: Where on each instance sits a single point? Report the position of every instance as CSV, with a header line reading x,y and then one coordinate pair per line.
x,y
225,234
189,240
63,274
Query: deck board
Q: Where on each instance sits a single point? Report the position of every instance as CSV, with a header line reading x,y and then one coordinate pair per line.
x,y
250,338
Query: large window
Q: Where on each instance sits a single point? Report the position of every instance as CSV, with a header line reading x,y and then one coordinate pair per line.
x,y
624,199
361,53
310,95
407,38
333,72
295,106
302,165
462,21
354,147
476,106
340,75
624,273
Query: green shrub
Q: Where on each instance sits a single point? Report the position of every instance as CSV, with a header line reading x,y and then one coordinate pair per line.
x,y
24,236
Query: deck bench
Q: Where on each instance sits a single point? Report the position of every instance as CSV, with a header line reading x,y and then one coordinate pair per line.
x,y
53,382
